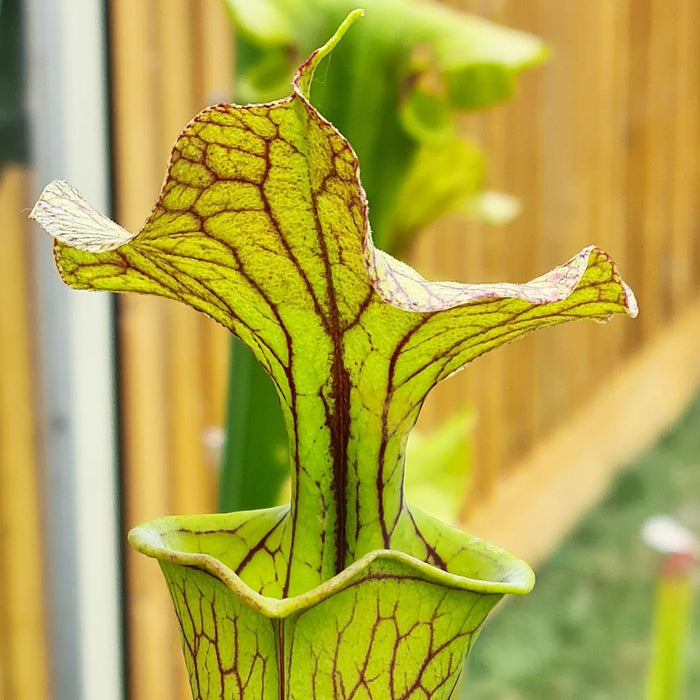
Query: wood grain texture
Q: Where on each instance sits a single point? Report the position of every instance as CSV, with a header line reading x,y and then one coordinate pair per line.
x,y
24,668
685,236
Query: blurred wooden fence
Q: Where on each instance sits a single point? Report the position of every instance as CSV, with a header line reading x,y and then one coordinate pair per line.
x,y
600,144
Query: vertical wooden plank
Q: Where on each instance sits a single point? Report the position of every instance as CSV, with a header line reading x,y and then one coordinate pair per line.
x,y
146,459
693,170
585,31
656,259
608,225
216,85
561,200
636,163
486,260
216,53
192,490
145,441
23,654
520,261
594,75
685,183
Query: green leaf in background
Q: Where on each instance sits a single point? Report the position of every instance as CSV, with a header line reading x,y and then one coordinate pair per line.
x,y
438,465
262,224
263,72
13,120
438,182
674,598
255,446
266,21
427,117
393,86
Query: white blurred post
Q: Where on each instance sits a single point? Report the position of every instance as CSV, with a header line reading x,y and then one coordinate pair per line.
x,y
68,102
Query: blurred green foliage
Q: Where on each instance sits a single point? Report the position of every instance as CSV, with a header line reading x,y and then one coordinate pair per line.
x,y
13,123
393,88
438,465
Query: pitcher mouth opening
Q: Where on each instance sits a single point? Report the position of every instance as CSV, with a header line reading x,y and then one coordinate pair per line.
x,y
184,540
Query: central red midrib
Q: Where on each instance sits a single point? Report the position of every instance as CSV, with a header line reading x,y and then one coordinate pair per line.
x,y
339,411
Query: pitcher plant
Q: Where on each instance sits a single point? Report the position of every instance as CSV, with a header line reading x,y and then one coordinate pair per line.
x,y
347,591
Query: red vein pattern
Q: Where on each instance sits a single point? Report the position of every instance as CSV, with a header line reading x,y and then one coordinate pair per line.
x,y
262,224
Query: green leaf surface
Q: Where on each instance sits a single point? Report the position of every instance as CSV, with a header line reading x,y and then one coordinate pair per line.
x,y
438,465
674,598
457,42
440,180
256,455
264,20
262,225
388,626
